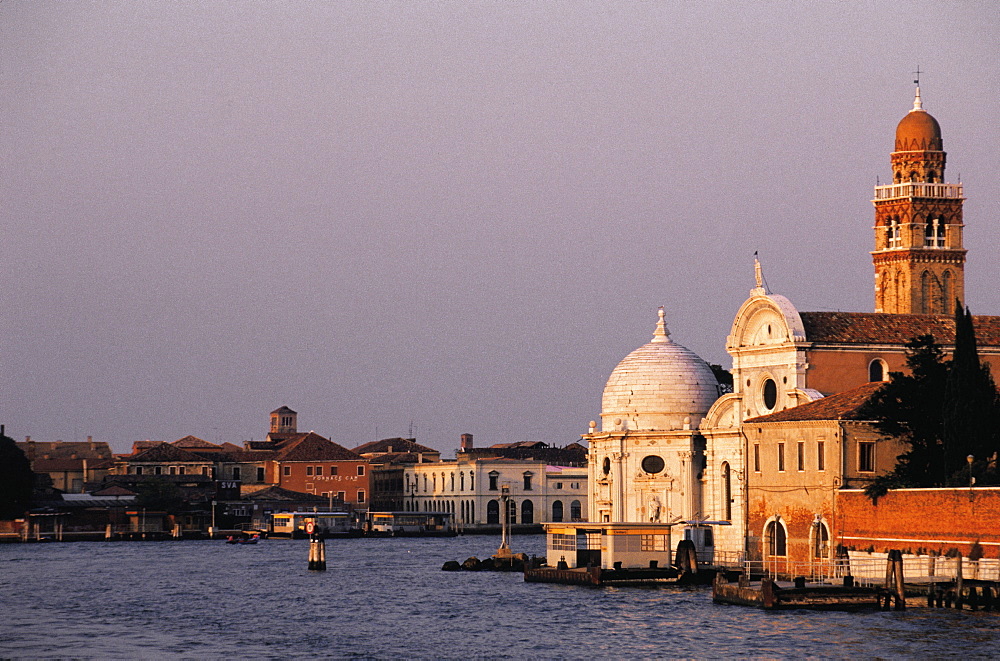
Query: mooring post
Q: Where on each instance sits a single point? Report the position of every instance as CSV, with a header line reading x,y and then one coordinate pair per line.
x,y
317,553
958,584
896,557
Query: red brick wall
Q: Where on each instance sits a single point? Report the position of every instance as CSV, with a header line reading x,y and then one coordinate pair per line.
x,y
932,520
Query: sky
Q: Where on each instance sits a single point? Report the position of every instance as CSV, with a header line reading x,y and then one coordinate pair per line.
x,y
433,218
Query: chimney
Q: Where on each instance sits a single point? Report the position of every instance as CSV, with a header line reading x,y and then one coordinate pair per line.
x,y
466,442
90,442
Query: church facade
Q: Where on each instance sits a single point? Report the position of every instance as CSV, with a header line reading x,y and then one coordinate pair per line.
x,y
669,450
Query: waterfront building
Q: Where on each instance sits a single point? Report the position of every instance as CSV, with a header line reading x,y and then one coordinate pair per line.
x,y
70,465
386,459
469,487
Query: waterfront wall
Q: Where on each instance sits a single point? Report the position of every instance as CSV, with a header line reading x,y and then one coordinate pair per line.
x,y
939,521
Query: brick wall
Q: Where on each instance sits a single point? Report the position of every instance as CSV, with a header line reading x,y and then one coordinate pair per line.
x,y
915,520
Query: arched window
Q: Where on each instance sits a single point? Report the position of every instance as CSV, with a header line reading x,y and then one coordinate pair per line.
x,y
527,511
574,511
820,540
925,293
493,512
877,371
452,481
425,483
472,511
557,511
934,233
461,480
893,237
947,291
774,539
727,492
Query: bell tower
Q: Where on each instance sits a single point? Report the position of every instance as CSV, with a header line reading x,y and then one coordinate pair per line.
x,y
919,258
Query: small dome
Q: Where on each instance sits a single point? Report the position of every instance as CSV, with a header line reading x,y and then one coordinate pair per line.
x,y
918,131
661,385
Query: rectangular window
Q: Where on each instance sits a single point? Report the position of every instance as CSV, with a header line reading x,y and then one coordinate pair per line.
x,y
309,470
820,455
361,495
361,470
341,495
138,470
180,470
157,470
801,455
653,543
527,482
781,457
286,470
173,470
319,470
866,457
260,473
756,457
558,485
204,470
236,472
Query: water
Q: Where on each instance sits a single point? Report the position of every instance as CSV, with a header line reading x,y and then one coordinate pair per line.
x,y
388,598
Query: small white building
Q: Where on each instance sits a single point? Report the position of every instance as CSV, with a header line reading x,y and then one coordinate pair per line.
x,y
469,488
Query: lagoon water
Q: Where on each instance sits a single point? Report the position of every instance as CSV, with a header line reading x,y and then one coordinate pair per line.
x,y
388,598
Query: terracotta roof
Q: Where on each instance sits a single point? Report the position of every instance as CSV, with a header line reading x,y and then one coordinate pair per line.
x,y
65,449
277,493
283,409
521,444
842,406
313,447
193,442
392,445
166,452
114,490
884,328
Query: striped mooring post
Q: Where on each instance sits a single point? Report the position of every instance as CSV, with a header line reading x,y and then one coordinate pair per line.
x,y
317,553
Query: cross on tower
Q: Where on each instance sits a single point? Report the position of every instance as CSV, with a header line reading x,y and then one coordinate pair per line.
x,y
917,74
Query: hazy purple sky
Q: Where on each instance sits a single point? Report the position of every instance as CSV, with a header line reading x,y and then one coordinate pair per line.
x,y
456,214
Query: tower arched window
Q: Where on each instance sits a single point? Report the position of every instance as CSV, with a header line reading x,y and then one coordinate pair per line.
x,y
947,291
926,305
557,511
893,236
934,233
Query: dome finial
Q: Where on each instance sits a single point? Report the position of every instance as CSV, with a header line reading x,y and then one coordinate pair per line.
x,y
661,334
917,103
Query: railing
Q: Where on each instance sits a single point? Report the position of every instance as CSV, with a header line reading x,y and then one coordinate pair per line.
x,y
869,568
917,189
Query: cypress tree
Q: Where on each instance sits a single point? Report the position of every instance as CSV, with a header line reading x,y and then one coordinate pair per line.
x,y
971,414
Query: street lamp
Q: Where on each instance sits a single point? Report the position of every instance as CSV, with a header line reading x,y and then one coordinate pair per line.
x,y
972,480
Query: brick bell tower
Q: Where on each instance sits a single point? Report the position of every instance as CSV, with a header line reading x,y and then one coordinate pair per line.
x,y
919,259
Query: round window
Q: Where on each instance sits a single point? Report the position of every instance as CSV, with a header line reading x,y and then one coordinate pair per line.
x,y
607,465
652,464
770,392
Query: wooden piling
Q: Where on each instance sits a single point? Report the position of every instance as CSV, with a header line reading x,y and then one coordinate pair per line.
x,y
317,553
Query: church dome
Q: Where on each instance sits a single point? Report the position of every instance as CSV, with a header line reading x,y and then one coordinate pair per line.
x,y
918,131
661,385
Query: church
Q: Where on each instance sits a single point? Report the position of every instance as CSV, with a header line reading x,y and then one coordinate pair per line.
x,y
752,473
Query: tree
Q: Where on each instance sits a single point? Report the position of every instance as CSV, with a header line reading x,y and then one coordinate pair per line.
x,y
971,411
724,377
16,479
159,494
944,410
909,406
